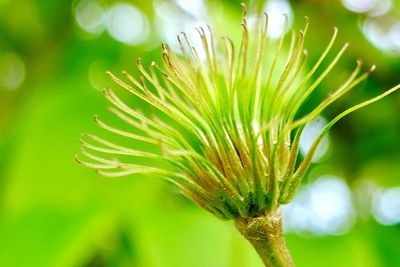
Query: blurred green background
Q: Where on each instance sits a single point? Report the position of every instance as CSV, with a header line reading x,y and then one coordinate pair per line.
x,y
53,58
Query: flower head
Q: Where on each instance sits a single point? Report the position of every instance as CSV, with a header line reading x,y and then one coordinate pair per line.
x,y
228,126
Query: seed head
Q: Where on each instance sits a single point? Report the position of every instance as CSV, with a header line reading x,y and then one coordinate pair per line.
x,y
228,126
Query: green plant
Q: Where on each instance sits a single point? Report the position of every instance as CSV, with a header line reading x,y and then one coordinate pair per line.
x,y
228,129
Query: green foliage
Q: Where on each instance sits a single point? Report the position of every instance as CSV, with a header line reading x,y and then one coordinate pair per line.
x,y
54,213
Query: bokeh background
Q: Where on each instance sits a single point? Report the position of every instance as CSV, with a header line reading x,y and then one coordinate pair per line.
x,y
53,58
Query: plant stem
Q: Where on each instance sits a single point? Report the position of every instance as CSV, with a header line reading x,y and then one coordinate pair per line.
x,y
265,234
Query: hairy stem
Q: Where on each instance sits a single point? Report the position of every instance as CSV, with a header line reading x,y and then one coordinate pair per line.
x,y
265,234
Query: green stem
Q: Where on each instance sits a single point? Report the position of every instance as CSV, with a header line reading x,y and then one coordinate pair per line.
x,y
264,232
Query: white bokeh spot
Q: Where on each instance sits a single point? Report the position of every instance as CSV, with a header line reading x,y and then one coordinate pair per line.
x,y
12,71
323,207
372,7
276,9
127,24
383,33
386,206
168,27
310,133
90,16
195,8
